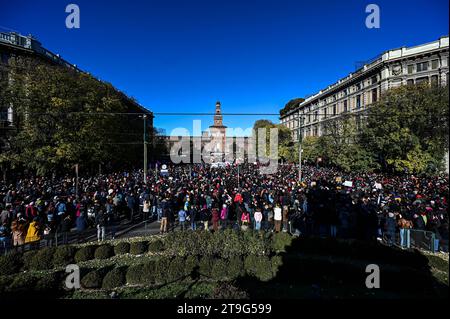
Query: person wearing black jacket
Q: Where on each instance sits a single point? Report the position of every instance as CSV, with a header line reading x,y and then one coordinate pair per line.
x,y
100,222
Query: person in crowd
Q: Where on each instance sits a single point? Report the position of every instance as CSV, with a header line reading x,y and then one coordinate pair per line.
x,y
245,219
101,222
182,219
278,217
224,216
258,219
215,218
34,231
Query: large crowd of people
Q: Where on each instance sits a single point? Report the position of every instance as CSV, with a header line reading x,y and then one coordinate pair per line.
x,y
326,202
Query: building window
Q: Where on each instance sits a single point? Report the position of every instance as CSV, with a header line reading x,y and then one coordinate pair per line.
x,y
309,118
334,109
410,69
358,101
373,79
345,106
315,131
358,86
374,95
316,115
434,64
422,79
324,113
422,66
410,82
434,79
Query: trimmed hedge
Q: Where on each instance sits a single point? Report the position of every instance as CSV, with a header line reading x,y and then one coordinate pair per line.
x,y
85,253
156,246
10,263
92,280
104,252
138,247
258,266
122,248
64,256
225,244
43,259
115,278
280,241
27,257
23,283
143,274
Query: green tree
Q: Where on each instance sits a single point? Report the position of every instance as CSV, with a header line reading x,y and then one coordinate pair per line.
x,y
408,128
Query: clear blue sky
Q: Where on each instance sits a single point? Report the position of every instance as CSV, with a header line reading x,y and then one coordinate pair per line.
x,y
253,56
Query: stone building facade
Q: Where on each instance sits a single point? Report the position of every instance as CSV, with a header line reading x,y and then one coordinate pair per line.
x,y
358,90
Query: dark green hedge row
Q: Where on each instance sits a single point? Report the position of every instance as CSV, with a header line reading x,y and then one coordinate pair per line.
x,y
223,244
51,257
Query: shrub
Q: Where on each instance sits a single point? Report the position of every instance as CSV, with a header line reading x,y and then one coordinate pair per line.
x,y
235,267
161,269
64,255
22,283
176,269
27,257
10,263
104,252
190,263
50,283
228,291
43,259
85,253
156,246
280,241
276,263
122,248
143,274
205,265
219,269
138,247
259,267
115,278
5,281
92,280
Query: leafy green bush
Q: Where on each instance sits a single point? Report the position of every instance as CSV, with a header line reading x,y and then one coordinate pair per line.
x,y
280,241
235,267
143,274
27,257
50,283
219,269
85,253
276,262
5,281
92,280
227,291
259,267
205,266
115,278
122,248
10,263
104,252
190,263
138,247
156,246
176,269
64,255
23,283
161,269
43,259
